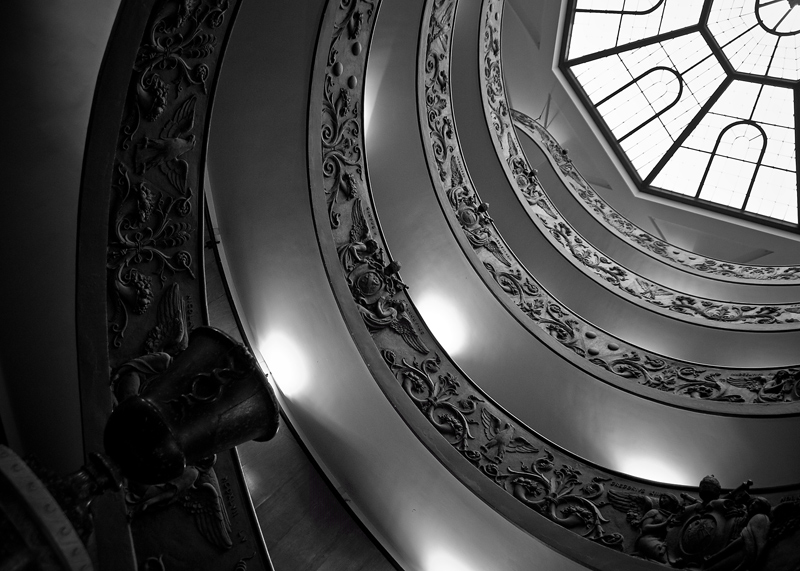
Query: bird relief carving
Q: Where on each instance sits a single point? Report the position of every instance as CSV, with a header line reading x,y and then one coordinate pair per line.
x,y
197,489
501,438
166,151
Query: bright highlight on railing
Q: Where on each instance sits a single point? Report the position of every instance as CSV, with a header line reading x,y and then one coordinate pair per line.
x,y
445,321
286,361
654,469
443,561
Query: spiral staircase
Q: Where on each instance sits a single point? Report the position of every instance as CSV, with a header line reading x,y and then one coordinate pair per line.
x,y
495,363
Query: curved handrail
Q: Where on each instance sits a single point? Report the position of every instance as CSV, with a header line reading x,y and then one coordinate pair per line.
x,y
641,239
631,365
474,437
590,260
140,286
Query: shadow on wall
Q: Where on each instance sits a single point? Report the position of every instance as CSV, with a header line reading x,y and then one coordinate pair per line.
x,y
52,54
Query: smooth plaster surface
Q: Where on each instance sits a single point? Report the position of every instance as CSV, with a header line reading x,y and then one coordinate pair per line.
x,y
421,514
51,57
596,421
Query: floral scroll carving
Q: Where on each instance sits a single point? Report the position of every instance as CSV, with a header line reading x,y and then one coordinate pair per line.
x,y
577,249
154,270
541,477
600,349
373,280
636,236
154,222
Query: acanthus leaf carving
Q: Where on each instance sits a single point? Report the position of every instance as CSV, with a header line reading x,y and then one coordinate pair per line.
x,y
545,479
561,234
599,348
181,34
639,238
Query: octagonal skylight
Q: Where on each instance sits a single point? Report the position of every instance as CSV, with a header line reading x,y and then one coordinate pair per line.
x,y
697,97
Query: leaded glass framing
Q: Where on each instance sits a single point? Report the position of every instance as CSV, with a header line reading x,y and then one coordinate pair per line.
x,y
751,44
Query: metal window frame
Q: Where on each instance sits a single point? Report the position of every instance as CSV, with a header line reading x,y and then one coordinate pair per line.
x,y
645,185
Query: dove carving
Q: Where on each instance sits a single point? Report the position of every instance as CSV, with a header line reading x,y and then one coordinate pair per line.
x,y
166,151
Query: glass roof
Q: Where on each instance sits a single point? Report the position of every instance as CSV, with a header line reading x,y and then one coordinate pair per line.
x,y
698,97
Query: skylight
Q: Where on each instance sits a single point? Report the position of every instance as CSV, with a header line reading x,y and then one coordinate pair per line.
x,y
697,97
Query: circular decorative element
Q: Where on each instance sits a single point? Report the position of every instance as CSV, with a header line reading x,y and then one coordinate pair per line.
x,y
352,81
337,69
697,534
779,18
755,37
356,49
369,284
467,217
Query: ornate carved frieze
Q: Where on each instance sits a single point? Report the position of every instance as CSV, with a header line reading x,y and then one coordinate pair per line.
x,y
636,236
154,267
581,498
612,354
584,255
155,219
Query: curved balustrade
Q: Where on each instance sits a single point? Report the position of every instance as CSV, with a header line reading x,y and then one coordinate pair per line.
x,y
639,238
585,256
487,448
514,368
343,339
141,287
596,347
535,151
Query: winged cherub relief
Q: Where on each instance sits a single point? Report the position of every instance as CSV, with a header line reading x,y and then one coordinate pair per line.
x,y
651,516
717,532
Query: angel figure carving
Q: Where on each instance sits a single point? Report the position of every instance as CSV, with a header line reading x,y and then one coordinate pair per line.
x,y
166,151
652,516
197,491
501,438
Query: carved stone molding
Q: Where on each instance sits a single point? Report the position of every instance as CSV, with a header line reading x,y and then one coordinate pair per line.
x,y
593,262
639,238
627,361
420,379
153,282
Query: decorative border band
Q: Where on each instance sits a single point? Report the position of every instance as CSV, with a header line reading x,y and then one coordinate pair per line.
x,y
594,263
141,286
629,363
639,238
522,474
